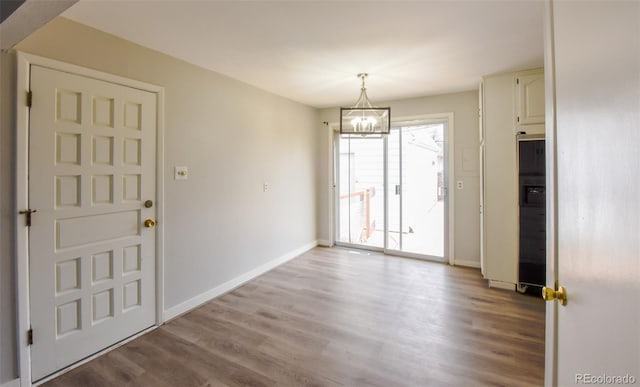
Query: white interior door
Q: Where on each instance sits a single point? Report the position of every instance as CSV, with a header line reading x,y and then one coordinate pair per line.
x,y
92,164
597,90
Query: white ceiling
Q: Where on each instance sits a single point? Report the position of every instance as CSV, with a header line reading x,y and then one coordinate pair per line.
x,y
311,51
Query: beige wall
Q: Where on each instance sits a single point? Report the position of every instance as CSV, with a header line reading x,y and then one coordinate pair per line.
x,y
464,106
7,294
219,224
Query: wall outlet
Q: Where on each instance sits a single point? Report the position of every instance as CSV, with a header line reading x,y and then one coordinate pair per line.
x,y
181,173
459,184
265,187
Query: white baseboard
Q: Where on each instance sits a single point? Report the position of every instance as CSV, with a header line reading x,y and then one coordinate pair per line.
x,y
467,263
502,285
324,243
13,383
219,290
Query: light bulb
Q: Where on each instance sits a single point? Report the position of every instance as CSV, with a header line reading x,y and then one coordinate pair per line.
x,y
364,124
356,123
372,121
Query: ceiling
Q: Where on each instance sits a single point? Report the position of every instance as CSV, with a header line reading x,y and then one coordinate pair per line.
x,y
311,51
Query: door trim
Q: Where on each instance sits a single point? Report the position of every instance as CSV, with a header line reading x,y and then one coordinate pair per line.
x,y
24,62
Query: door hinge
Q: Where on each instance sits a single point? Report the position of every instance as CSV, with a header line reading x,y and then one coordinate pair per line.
x,y
29,98
27,214
518,118
517,81
30,337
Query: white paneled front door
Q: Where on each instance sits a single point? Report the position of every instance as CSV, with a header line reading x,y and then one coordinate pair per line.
x,y
92,179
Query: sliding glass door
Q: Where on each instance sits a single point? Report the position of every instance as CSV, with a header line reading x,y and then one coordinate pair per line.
x,y
417,189
392,191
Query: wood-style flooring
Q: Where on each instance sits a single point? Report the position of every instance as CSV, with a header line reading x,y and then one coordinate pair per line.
x,y
333,317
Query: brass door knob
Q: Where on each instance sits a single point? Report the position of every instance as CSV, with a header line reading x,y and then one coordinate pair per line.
x,y
149,223
549,294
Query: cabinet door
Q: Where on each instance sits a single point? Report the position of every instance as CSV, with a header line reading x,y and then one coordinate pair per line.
x,y
530,99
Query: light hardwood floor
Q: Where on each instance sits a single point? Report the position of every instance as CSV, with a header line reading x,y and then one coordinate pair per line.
x,y
333,317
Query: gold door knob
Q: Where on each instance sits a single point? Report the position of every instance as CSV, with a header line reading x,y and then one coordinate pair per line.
x,y
149,223
549,294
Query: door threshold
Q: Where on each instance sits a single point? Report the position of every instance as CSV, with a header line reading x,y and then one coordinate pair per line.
x,y
390,253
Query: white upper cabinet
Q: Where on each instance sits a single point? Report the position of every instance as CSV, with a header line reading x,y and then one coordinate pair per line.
x,y
529,100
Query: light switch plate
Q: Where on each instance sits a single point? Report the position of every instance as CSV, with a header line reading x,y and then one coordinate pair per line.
x,y
181,173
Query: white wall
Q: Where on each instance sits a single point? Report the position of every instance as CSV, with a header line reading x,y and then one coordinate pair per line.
x,y
219,224
467,201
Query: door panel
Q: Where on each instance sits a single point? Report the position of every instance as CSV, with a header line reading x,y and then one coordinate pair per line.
x,y
417,190
423,190
361,191
92,263
598,191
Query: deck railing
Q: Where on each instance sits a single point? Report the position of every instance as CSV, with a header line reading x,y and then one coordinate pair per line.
x,y
365,198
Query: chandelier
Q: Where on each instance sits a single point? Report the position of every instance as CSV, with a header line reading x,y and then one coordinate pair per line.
x,y
363,118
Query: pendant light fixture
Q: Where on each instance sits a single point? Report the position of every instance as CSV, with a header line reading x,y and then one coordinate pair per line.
x,y
364,119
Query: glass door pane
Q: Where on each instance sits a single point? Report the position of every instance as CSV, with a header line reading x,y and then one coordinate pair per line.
x,y
361,191
423,189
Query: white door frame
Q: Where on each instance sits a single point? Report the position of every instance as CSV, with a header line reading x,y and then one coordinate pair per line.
x,y
24,62
333,192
